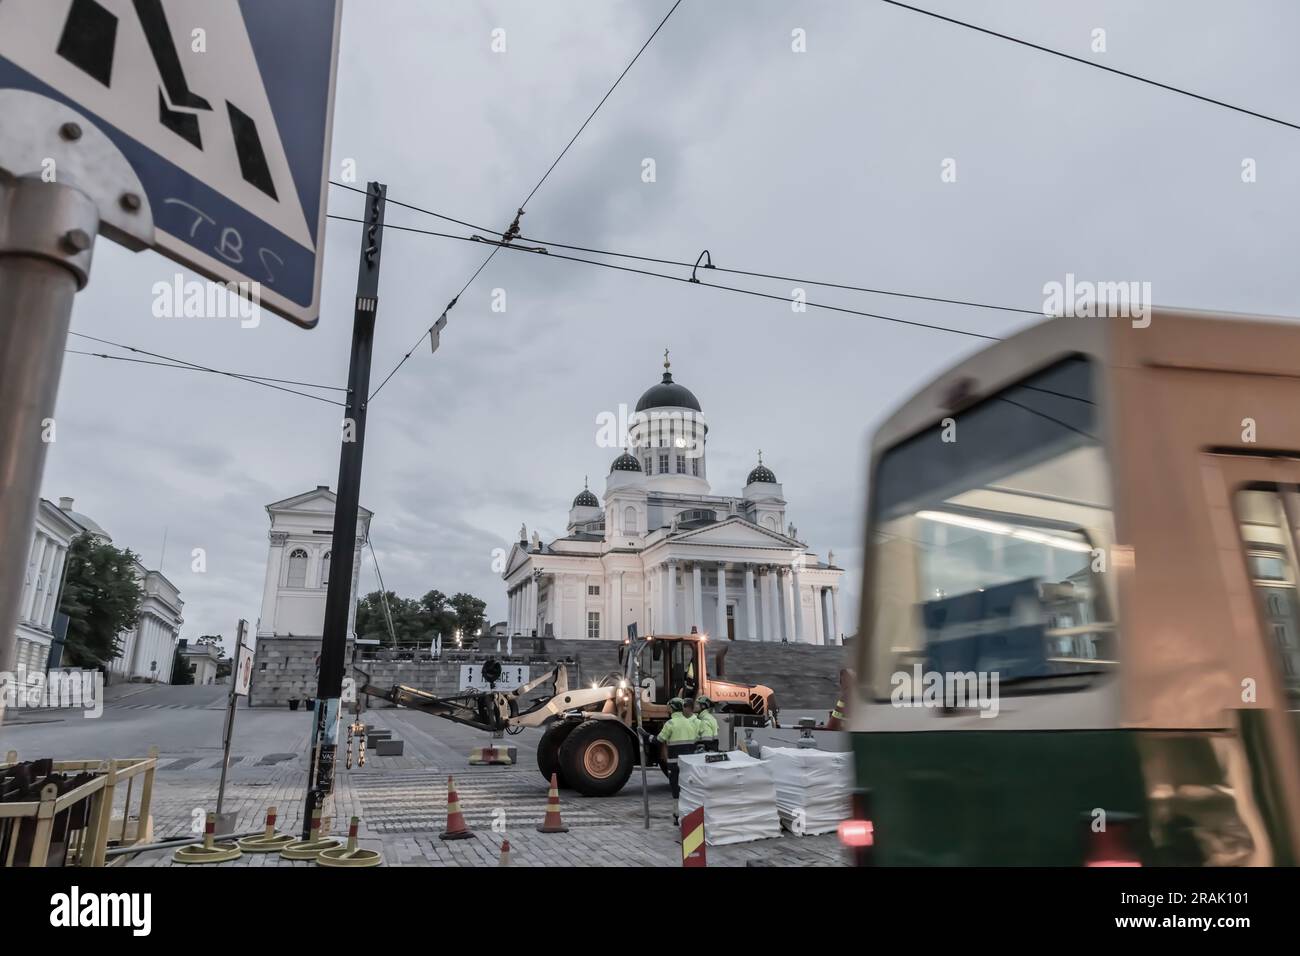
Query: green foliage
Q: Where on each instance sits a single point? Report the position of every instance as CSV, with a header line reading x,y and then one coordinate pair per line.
x,y
215,641
102,597
417,622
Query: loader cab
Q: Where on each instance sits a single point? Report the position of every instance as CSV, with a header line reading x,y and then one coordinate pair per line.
x,y
674,665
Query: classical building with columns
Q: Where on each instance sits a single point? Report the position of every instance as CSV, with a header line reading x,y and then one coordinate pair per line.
x,y
659,550
298,565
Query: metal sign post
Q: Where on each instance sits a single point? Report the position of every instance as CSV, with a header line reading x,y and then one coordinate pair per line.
x,y
62,183
237,689
634,675
338,596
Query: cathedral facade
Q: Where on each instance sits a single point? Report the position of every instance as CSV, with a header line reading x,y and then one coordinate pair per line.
x,y
660,550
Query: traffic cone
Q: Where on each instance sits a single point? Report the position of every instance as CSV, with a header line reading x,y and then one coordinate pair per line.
x,y
457,829
505,853
552,823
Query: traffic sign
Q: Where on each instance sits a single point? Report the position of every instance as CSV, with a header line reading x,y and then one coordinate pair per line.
x,y
224,109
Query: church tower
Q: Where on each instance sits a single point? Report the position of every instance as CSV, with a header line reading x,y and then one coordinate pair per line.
x,y
668,436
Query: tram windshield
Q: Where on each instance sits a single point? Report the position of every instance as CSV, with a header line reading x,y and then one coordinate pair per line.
x,y
992,536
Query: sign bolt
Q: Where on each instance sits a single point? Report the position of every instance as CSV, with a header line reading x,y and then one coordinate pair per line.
x,y
76,240
70,131
130,202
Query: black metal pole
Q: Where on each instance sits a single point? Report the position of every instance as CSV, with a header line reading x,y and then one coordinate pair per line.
x,y
338,596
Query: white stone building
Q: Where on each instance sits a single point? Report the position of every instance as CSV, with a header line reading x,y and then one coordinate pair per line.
x,y
146,650
298,565
201,660
661,551
41,585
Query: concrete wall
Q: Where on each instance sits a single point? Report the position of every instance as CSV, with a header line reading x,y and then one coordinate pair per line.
x,y
804,676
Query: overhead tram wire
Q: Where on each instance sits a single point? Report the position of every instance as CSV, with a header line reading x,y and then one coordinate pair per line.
x,y
169,361
1092,63
700,282
514,228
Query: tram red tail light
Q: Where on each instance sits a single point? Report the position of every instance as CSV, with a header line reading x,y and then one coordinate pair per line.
x,y
858,833
1116,844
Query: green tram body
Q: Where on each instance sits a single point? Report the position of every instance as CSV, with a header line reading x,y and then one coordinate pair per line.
x,y
1105,516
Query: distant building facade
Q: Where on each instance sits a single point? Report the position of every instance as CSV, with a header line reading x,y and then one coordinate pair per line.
x,y
292,619
201,660
146,649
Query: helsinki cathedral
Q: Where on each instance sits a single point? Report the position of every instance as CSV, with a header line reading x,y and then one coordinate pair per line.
x,y
659,549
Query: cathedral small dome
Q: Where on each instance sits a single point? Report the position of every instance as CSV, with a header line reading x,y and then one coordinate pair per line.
x,y
586,499
761,473
625,462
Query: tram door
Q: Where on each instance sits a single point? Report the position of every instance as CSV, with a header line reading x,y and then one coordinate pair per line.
x,y
1265,504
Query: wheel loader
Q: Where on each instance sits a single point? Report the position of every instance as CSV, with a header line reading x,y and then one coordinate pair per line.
x,y
591,739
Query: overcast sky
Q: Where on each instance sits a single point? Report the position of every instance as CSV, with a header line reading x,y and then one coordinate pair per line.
x,y
824,164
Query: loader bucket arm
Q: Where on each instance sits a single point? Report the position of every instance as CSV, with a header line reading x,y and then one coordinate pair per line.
x,y
484,710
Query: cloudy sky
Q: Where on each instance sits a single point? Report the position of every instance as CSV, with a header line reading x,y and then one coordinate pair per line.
x,y
824,164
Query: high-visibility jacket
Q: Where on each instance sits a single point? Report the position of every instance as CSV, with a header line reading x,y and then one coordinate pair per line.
x,y
678,730
708,724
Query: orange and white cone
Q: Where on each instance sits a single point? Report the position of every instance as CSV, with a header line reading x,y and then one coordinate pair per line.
x,y
552,823
505,853
457,829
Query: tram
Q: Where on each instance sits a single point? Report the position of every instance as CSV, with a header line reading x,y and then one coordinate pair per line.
x,y
1080,637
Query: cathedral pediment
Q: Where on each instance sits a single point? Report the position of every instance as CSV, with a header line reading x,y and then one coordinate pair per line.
x,y
736,531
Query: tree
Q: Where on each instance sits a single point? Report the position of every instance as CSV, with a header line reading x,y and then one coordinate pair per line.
x,y
469,616
101,596
215,640
181,670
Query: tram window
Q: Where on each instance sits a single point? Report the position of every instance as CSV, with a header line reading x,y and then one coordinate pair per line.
x,y
1270,543
991,550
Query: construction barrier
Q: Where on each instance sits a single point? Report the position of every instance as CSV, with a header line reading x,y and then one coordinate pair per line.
x,y
60,812
552,823
350,855
693,838
493,756
269,841
209,851
311,848
457,828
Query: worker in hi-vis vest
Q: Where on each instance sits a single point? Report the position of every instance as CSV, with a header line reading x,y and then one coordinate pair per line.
x,y
704,714
678,729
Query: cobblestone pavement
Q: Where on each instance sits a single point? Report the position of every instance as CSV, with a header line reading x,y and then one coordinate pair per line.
x,y
402,812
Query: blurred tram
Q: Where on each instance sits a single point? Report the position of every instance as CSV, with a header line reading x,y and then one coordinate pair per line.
x,y
1080,638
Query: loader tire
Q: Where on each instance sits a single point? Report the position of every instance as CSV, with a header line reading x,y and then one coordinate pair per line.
x,y
548,749
596,758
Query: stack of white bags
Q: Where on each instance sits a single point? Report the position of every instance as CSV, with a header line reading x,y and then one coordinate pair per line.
x,y
738,796
812,787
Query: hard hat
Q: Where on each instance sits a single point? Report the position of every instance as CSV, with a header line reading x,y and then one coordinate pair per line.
x,y
703,701
675,704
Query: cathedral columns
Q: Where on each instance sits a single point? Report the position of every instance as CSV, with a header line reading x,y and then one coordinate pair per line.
x,y
557,604
721,632
671,595
530,605
798,605
819,618
751,619
697,597
835,615
769,605
787,593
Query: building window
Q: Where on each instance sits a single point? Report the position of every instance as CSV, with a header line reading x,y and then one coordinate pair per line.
x,y
647,464
629,520
297,569
325,570
593,625
681,464
663,464
593,590
695,467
